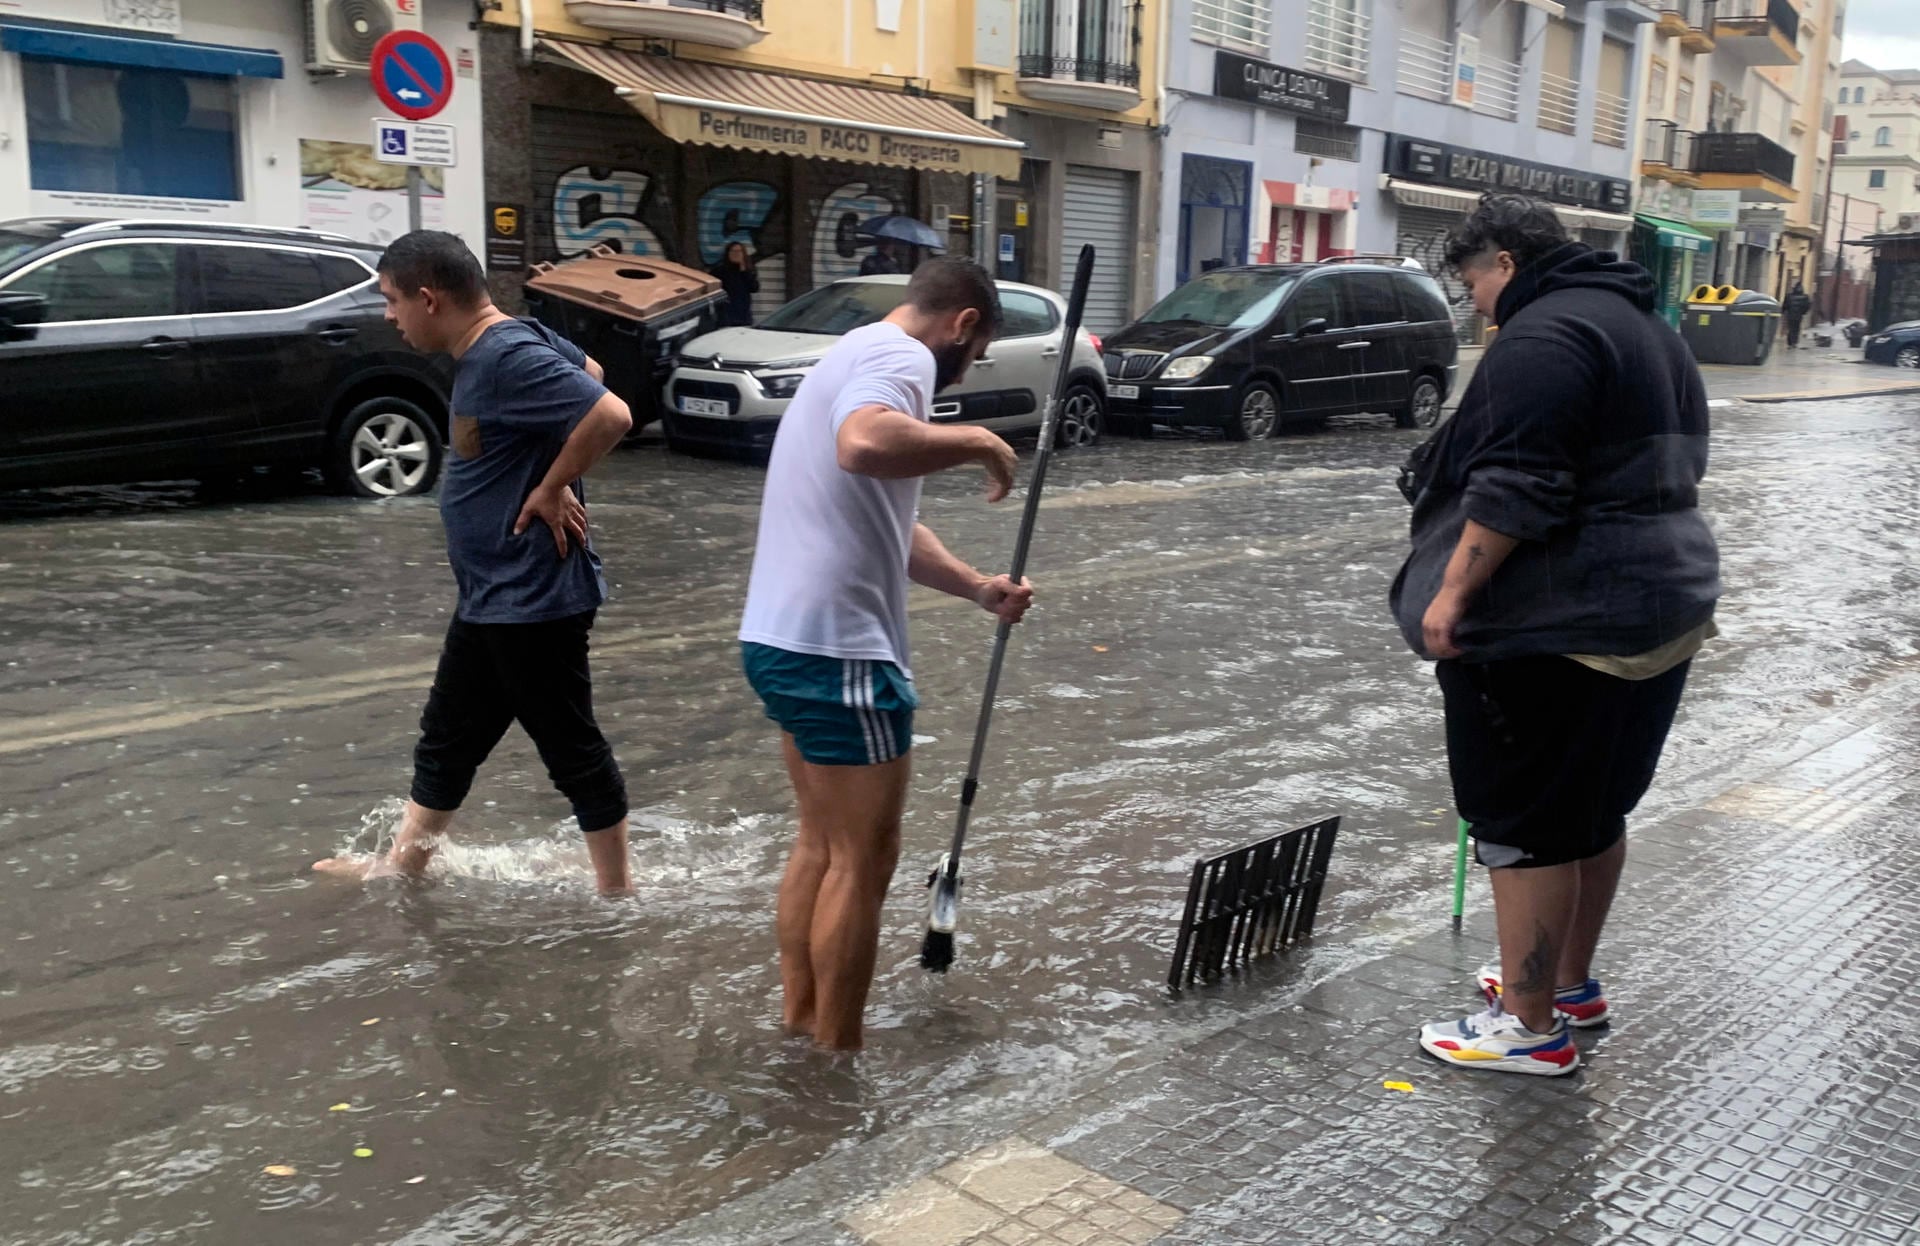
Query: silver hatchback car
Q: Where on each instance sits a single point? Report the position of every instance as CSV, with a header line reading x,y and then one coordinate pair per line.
x,y
731,387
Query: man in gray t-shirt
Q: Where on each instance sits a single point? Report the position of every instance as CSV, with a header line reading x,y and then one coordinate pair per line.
x,y
529,417
824,636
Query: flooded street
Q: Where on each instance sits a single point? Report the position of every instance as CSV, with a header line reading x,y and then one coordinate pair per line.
x,y
204,696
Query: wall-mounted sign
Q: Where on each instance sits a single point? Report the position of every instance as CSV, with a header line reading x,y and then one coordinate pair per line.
x,y
1442,164
1716,207
1466,68
1237,77
506,237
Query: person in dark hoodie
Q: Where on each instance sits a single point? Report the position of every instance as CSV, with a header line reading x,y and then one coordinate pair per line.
x,y
1562,579
740,283
1794,309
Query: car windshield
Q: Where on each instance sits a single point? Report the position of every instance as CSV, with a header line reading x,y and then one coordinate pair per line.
x,y
1235,300
837,308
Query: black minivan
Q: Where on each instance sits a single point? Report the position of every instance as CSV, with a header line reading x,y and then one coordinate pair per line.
x,y
1248,349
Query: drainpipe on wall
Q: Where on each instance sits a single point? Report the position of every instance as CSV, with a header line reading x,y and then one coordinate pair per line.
x,y
983,84
526,32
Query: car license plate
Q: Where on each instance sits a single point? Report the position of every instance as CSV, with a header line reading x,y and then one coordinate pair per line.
x,y
704,406
1124,391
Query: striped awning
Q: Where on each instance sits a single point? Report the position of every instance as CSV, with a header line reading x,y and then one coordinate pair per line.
x,y
1447,199
698,102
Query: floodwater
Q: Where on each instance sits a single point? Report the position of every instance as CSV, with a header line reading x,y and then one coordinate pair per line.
x,y
202,697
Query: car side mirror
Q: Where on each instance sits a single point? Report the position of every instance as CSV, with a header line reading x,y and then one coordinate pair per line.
x,y
19,313
1316,325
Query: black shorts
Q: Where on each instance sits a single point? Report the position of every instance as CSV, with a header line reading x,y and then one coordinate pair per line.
x,y
1549,757
494,674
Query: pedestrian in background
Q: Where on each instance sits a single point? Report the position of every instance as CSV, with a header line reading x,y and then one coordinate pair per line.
x,y
882,260
1562,577
740,283
1795,308
529,416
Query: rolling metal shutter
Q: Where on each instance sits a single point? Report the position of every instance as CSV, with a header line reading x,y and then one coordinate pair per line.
x,y
1421,233
1099,209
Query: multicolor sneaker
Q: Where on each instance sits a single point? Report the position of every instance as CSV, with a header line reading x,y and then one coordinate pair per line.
x,y
1583,1006
1500,1042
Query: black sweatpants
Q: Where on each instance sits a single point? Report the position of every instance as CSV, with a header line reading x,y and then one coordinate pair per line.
x,y
494,674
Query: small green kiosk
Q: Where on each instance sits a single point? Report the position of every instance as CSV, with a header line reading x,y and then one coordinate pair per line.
x,y
1675,254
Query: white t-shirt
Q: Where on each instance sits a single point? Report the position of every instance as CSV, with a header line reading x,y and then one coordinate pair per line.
x,y
830,566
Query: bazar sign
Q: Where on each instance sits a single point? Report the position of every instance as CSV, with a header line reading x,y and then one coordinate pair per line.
x,y
1442,164
827,141
1250,81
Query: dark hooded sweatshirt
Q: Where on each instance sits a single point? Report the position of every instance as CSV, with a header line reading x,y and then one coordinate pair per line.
x,y
1583,434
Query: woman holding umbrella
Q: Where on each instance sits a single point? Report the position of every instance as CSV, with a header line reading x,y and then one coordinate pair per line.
x,y
895,236
740,283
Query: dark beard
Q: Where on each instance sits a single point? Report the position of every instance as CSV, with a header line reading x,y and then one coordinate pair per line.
x,y
948,363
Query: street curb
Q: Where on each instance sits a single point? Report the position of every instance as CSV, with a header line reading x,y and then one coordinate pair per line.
x,y
1821,395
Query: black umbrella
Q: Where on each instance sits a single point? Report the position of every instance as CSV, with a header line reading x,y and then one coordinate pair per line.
x,y
904,229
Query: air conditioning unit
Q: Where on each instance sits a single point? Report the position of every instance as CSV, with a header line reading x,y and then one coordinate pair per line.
x,y
1909,222
341,33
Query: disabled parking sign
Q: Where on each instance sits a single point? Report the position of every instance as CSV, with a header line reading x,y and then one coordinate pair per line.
x,y
411,74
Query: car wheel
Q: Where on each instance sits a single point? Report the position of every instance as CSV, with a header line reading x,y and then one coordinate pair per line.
x,y
385,448
1080,418
1423,405
1256,412
1909,357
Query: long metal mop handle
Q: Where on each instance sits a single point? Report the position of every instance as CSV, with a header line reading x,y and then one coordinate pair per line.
x,y
1076,306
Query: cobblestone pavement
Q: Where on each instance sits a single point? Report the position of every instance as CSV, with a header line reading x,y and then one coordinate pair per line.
x,y
1753,1087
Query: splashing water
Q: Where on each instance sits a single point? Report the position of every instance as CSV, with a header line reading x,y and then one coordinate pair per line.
x,y
667,851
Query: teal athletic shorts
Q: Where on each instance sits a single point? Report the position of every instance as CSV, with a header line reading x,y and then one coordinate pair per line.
x,y
839,711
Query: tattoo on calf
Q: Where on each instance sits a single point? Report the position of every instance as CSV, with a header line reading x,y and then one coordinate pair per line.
x,y
1536,970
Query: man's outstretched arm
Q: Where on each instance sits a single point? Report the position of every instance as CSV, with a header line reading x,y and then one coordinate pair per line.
x,y
933,565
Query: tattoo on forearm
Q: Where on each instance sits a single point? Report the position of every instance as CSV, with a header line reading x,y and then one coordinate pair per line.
x,y
1537,969
1475,554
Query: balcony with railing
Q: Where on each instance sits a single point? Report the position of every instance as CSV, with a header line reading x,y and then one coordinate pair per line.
x,y
1759,32
1753,164
1559,103
1082,52
1339,37
1610,114
1690,21
1666,152
714,23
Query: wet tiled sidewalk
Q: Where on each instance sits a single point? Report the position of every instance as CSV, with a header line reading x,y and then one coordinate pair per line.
x,y
1755,1085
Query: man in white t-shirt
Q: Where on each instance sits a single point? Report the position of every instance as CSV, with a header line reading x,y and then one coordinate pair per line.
x,y
824,638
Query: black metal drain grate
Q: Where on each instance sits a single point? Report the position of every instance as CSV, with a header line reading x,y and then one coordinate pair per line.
x,y
1252,901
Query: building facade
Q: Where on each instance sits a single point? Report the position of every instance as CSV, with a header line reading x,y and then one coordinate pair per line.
x,y
1879,173
222,110
1735,147
1016,130
1308,128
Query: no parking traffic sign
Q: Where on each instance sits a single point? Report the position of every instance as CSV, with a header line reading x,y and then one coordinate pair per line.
x,y
411,74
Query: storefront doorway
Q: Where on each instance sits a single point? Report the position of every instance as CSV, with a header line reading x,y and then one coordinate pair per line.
x,y
1213,214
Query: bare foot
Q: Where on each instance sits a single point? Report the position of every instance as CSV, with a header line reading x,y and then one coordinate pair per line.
x,y
361,869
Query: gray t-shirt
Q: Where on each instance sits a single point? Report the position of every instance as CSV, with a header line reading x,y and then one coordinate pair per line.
x,y
518,392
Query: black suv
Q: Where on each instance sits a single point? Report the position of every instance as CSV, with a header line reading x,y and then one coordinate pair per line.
x,y
163,350
1248,349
